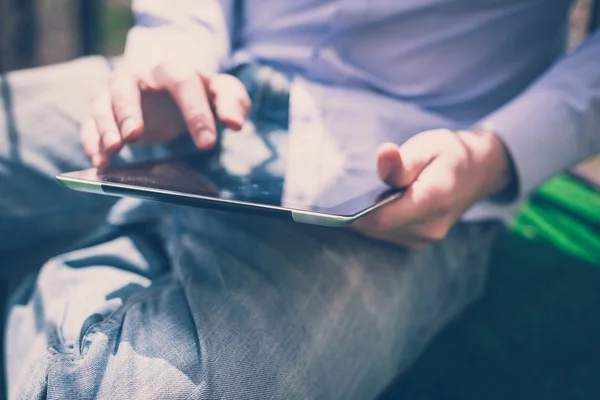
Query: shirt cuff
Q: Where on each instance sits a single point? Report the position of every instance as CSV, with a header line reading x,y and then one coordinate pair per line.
x,y
539,133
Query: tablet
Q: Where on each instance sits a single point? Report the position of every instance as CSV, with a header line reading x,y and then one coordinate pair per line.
x,y
252,171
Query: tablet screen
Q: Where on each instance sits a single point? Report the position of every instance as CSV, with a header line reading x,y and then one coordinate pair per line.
x,y
264,166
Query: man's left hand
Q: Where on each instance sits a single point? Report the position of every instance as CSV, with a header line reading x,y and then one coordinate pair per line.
x,y
444,173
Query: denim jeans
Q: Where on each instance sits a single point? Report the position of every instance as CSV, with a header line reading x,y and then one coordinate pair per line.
x,y
164,302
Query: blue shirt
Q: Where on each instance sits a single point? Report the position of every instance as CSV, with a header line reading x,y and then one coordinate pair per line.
x,y
381,70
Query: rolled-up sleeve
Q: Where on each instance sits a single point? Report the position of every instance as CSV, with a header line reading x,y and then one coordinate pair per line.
x,y
191,31
555,123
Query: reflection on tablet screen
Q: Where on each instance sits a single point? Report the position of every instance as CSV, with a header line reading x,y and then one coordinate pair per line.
x,y
260,165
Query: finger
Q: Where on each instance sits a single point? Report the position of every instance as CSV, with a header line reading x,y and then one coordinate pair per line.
x,y
405,211
402,236
400,166
126,103
429,197
106,125
90,139
436,188
189,93
230,99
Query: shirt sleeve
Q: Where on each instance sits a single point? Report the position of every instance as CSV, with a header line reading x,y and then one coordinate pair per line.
x,y
191,31
555,123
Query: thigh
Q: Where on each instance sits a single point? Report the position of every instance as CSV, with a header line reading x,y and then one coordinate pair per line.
x,y
53,318
40,113
298,312
252,308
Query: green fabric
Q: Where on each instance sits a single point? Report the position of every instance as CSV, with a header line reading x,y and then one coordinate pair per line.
x,y
566,214
533,336
535,333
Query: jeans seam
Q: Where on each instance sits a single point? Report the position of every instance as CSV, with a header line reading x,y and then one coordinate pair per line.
x,y
86,338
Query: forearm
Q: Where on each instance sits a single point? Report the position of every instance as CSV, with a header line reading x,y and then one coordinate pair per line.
x,y
555,123
488,152
195,32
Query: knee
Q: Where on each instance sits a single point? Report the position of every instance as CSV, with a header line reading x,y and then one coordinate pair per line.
x,y
146,347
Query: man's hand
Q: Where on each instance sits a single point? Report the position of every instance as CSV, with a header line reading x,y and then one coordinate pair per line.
x,y
444,172
158,106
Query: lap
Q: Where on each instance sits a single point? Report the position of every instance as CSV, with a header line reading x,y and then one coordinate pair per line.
x,y
248,307
40,113
233,306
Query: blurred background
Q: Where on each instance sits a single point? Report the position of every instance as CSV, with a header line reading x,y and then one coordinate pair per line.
x,y
535,334
42,32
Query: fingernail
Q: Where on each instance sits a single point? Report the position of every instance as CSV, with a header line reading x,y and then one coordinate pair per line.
x,y
111,140
238,120
206,138
129,126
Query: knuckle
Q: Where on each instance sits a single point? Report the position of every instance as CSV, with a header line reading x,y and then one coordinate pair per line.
x,y
379,222
123,111
174,73
104,124
432,192
180,84
101,102
118,91
198,120
98,99
230,86
437,232
117,78
168,66
444,201
439,196
160,69
122,92
442,138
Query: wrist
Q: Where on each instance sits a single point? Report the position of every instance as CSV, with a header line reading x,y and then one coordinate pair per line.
x,y
491,158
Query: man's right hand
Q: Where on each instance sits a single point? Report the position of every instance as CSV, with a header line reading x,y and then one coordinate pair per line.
x,y
158,106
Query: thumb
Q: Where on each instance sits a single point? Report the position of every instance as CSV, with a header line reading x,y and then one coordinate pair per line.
x,y
400,166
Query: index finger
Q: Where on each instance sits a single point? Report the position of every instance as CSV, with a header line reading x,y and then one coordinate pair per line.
x,y
425,198
428,197
188,91
402,212
127,105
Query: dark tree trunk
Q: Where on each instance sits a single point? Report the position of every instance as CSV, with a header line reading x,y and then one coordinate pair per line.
x,y
18,34
595,16
26,32
89,17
